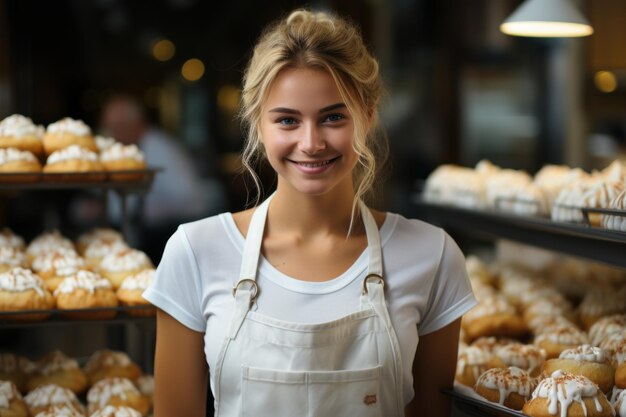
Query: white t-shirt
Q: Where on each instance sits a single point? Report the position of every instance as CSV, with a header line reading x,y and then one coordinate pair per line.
x,y
426,284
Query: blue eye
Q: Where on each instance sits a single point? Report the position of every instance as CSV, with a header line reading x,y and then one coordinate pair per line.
x,y
287,121
335,117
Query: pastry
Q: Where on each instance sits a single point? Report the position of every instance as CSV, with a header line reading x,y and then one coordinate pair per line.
x,y
16,369
493,317
11,402
11,258
60,411
605,326
117,392
97,234
56,368
620,362
567,395
527,357
108,363
538,324
611,342
21,290
600,196
81,163
145,383
56,265
600,303
104,142
500,188
620,404
8,238
117,266
98,249
548,308
113,411
589,361
46,242
120,157
615,171
43,398
510,386
612,221
478,270
555,339
68,132
17,131
85,290
472,362
492,344
131,290
23,164
567,205
455,185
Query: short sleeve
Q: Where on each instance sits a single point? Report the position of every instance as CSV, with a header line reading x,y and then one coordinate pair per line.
x,y
176,288
451,293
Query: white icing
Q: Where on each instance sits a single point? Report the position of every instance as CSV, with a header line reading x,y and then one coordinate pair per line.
x,y
8,238
490,306
605,326
101,248
100,233
562,389
69,125
20,280
585,353
616,171
125,260
562,335
615,393
64,262
620,404
7,393
54,362
120,151
70,153
85,280
475,357
103,142
613,222
11,363
14,155
140,281
102,391
48,395
112,411
145,383
48,241
602,302
526,357
19,126
107,359
620,352
12,256
507,381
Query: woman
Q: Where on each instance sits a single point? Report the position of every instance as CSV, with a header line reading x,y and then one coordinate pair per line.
x,y
310,304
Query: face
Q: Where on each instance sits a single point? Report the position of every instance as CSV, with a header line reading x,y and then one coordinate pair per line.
x,y
307,133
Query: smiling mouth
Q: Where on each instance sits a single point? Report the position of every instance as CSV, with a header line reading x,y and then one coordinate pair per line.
x,y
315,164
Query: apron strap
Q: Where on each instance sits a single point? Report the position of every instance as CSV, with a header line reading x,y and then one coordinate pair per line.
x,y
254,240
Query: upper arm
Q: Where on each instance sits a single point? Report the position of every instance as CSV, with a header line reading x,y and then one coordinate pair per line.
x,y
180,370
433,370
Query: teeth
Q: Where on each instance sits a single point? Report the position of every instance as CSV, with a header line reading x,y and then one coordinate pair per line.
x,y
314,165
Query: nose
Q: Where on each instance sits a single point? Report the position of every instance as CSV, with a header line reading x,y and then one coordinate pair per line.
x,y
312,140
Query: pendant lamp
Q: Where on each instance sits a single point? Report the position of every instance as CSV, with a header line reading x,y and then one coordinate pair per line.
x,y
546,18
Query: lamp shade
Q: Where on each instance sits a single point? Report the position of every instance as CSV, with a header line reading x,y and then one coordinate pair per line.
x,y
546,18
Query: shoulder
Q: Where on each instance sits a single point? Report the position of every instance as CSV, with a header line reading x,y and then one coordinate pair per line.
x,y
208,228
413,229
242,220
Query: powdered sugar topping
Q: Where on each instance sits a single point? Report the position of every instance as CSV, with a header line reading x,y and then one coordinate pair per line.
x,y
126,260
120,151
85,280
15,155
19,126
72,152
69,125
140,281
20,280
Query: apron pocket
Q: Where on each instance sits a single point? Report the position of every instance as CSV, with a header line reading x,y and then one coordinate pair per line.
x,y
275,393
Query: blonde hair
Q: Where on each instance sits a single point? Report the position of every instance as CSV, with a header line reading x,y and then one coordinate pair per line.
x,y
322,41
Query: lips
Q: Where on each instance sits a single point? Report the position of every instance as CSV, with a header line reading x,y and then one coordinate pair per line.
x,y
314,167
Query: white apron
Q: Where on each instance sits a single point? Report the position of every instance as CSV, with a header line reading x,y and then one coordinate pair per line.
x,y
343,368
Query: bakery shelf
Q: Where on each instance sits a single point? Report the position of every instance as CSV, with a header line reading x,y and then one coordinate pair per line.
x,y
59,317
471,406
597,244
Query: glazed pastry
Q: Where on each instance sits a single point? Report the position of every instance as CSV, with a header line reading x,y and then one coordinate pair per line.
x,y
98,249
46,242
19,162
611,342
43,398
8,238
492,344
589,361
493,317
613,222
15,369
120,157
57,265
472,362
620,362
117,392
86,290
567,395
11,258
605,326
17,131
60,411
510,386
539,323
117,266
556,339
103,143
113,411
620,404
82,163
108,363
56,368
547,308
11,402
527,357
21,289
131,290
600,303
97,234
68,132
145,383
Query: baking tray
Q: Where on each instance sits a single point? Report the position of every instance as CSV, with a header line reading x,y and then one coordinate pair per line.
x,y
472,406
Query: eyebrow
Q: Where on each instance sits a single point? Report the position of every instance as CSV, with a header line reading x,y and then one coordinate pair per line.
x,y
293,111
